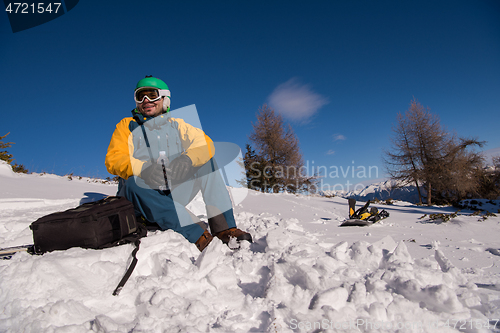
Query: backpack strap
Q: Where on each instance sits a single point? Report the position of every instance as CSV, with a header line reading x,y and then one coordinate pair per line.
x,y
136,239
129,271
152,159
147,143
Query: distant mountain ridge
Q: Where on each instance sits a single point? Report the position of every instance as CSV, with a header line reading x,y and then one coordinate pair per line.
x,y
384,190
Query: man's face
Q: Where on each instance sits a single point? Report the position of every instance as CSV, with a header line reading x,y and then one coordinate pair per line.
x,y
151,109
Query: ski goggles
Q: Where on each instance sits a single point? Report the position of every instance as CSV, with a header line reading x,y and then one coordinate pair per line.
x,y
151,94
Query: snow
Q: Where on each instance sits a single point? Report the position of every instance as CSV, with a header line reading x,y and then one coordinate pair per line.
x,y
303,273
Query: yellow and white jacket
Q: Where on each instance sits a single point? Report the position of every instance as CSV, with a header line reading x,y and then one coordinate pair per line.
x,y
139,139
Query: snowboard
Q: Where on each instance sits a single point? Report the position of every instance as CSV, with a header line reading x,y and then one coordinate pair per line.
x,y
356,223
362,217
8,252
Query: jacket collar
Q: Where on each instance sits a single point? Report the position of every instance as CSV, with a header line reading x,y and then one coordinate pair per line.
x,y
151,122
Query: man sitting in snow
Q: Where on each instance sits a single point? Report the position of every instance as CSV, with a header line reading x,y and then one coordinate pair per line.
x,y
139,153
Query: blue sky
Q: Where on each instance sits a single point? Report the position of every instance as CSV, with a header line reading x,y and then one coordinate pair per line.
x,y
339,71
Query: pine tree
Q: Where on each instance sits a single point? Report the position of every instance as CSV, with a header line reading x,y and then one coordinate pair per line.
x,y
5,156
254,168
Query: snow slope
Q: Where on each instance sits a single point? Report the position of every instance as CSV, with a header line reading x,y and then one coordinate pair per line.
x,y
303,273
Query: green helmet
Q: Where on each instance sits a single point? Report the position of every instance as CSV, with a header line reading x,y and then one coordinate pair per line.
x,y
153,82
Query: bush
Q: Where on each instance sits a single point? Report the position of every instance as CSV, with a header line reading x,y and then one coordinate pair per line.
x,y
5,156
19,168
443,217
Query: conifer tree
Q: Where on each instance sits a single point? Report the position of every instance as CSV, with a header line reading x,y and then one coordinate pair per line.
x,y
424,153
5,156
254,168
276,165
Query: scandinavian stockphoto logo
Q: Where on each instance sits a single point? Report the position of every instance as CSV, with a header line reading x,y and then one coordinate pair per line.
x,y
28,14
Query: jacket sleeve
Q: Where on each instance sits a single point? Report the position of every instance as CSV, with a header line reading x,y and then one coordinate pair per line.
x,y
198,146
119,158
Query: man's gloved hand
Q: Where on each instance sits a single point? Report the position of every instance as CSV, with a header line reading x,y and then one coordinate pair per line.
x,y
181,167
152,174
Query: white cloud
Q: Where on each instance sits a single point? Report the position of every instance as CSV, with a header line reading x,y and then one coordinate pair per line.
x,y
330,152
337,137
296,101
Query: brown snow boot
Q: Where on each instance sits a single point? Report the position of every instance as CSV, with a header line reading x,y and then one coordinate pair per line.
x,y
240,235
204,240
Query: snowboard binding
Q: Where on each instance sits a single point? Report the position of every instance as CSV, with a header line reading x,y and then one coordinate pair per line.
x,y
363,216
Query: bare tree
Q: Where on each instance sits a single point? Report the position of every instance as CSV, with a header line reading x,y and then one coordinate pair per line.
x,y
425,154
489,185
276,164
402,163
460,169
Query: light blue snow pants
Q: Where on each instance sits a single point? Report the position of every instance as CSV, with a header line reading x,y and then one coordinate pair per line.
x,y
167,208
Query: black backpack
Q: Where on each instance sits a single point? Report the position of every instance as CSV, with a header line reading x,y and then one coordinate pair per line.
x,y
94,225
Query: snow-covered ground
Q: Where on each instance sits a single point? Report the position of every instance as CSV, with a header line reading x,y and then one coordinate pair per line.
x,y
303,273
